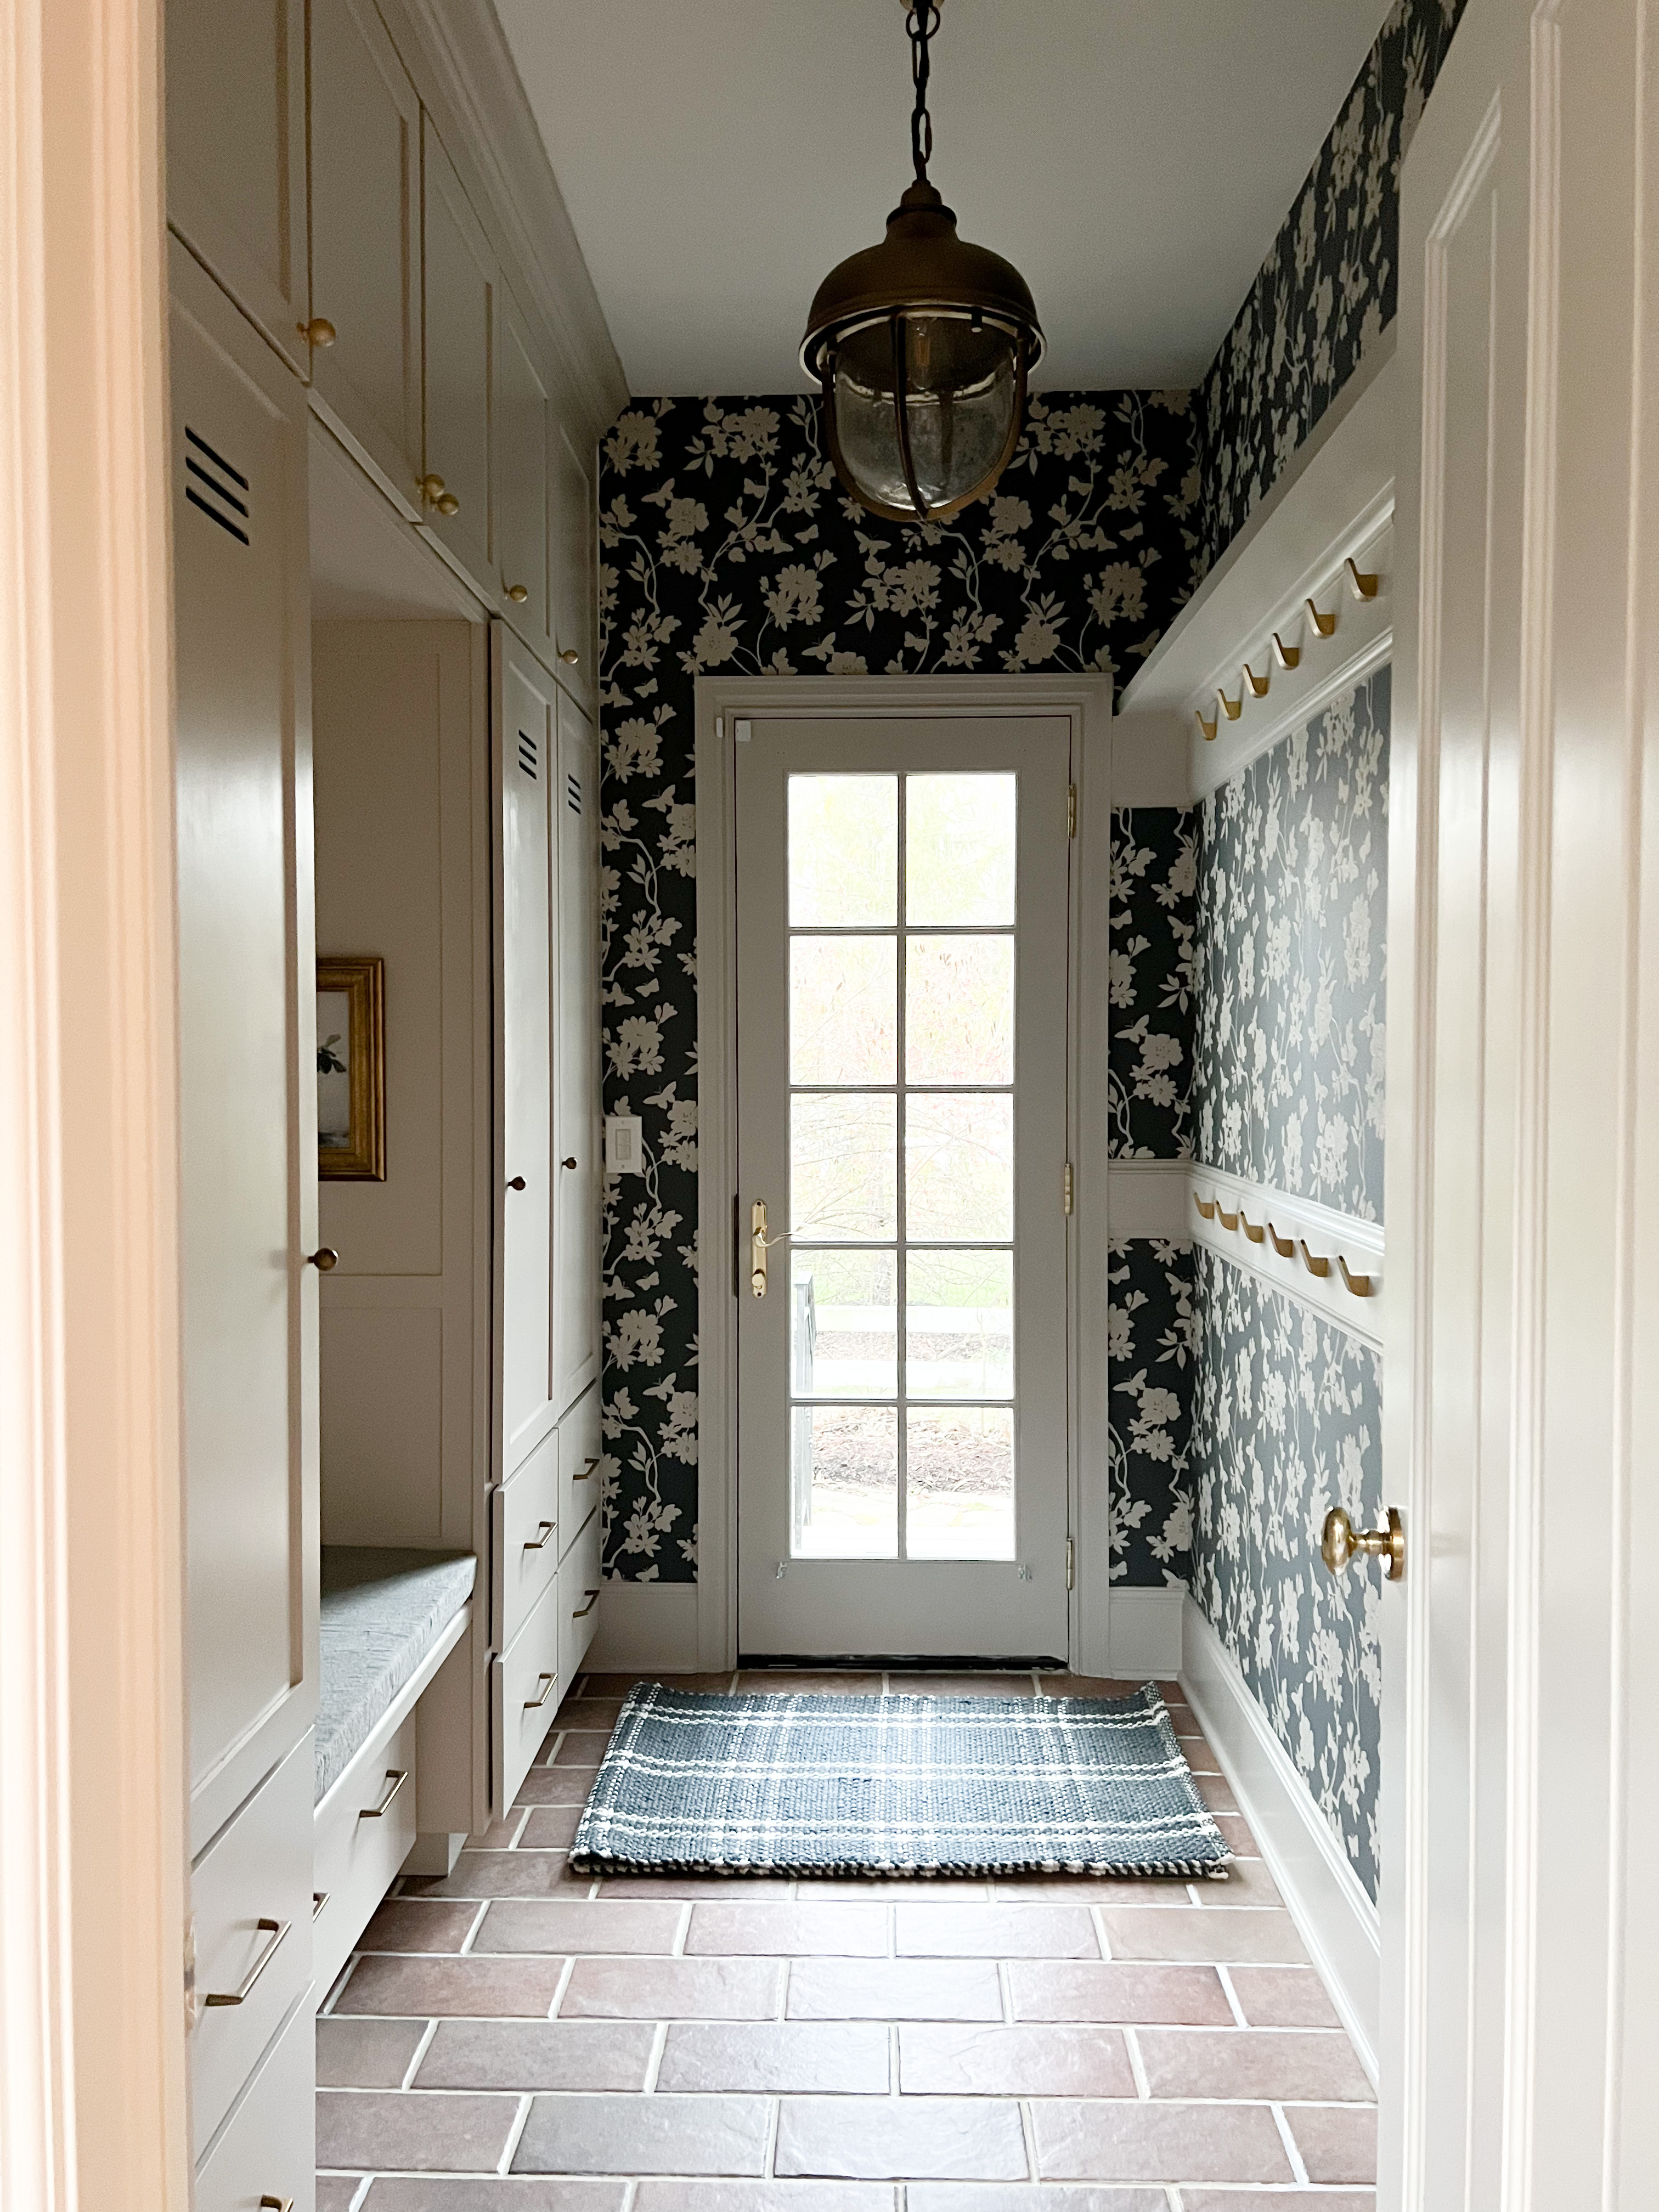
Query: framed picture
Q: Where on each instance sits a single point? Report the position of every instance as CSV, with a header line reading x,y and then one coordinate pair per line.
x,y
351,1070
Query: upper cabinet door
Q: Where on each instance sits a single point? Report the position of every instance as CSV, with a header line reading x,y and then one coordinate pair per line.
x,y
525,430
576,1125
236,154
575,530
365,240
460,320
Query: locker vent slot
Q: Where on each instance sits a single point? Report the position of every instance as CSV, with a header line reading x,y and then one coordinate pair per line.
x,y
573,794
207,491
527,754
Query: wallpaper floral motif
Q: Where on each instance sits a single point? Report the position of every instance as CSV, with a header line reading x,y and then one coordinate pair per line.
x,y
724,545
1326,291
1153,974
1286,1423
1292,960
1151,1346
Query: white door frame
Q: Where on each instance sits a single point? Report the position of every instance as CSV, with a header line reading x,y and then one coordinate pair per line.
x,y
721,701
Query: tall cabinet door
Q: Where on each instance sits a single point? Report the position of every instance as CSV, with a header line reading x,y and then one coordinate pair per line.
x,y
459,311
236,152
526,430
247,1046
365,239
576,525
577,1137
526,767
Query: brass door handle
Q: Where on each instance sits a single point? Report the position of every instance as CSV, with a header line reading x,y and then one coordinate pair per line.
x,y
534,1704
434,494
1341,1541
396,1777
539,1542
319,332
582,1611
276,1930
324,1259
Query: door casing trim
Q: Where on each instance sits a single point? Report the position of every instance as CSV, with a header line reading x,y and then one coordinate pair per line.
x,y
721,701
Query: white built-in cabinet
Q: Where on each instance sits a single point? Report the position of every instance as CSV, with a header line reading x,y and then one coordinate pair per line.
x,y
577,1135
527,426
460,292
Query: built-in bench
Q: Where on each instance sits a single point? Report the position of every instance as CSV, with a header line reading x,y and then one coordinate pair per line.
x,y
389,1618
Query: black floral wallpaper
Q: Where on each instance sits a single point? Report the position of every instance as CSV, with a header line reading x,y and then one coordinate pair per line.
x,y
1152,1330
1326,291
1153,979
726,544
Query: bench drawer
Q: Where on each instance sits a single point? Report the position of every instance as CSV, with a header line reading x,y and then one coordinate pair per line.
x,y
527,1538
579,1447
251,1896
366,1832
579,1599
524,1683
268,2152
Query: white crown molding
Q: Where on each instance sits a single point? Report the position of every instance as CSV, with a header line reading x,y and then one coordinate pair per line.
x,y
457,54
1299,1221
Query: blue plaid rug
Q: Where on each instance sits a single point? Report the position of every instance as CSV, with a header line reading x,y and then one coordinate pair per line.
x,y
807,1784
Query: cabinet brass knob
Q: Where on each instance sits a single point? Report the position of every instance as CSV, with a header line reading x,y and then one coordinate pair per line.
x,y
318,332
517,594
431,489
570,656
1341,1541
324,1259
448,504
570,1162
515,1183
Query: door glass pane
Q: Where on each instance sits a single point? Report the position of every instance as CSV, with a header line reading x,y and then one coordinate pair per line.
x,y
843,851
844,1324
959,1324
959,1164
843,1156
844,1482
959,1483
843,1009
959,1010
959,849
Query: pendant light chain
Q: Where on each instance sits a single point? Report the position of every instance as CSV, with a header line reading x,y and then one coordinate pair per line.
x,y
921,22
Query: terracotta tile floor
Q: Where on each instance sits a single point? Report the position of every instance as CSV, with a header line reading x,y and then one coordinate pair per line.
x,y
516,2039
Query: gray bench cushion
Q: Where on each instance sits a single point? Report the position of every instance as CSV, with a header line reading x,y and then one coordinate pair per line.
x,y
382,1611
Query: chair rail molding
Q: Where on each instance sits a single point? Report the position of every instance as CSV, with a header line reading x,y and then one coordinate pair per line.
x,y
1269,1219
93,1860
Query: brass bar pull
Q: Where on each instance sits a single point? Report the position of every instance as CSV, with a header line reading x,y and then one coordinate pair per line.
x,y
378,1811
757,1248
1341,1541
586,1474
275,2204
276,1930
582,1611
318,1899
539,1541
534,1704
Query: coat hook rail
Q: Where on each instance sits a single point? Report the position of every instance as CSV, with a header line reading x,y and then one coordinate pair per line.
x,y
1232,709
1362,586
1258,683
1317,1263
1208,728
1286,656
1325,624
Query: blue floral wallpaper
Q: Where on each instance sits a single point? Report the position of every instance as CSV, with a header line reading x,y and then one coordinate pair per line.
x,y
1152,978
1292,960
1152,1347
725,545
1286,1423
1327,290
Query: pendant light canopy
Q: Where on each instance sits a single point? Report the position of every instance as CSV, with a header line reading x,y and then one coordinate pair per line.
x,y
922,346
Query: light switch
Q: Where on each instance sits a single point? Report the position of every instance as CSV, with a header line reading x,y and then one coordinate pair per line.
x,y
625,1145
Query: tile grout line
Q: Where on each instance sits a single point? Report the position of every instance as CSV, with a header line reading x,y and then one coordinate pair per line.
x,y
653,2062
1005,1992
1299,2169
1028,2132
893,2059
361,2192
1231,1996
471,1935
563,1984
1137,2066
681,1931
773,2121
421,2049
520,2121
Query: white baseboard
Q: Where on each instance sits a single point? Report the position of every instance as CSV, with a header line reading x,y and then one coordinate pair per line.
x,y
1144,1632
1334,1915
645,1628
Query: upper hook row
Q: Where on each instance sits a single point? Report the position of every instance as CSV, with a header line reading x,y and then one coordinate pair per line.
x,y
1363,585
1363,1286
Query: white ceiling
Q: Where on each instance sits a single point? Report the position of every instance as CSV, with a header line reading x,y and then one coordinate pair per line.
x,y
1134,158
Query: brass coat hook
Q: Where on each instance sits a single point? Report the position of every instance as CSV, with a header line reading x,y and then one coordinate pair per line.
x,y
1208,1212
1251,1230
1315,1266
1284,1246
1232,709
1209,727
1362,586
1325,624
1258,683
1227,1221
1287,655
1363,1286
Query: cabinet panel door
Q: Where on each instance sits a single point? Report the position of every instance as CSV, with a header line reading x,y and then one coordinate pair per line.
x,y
525,427
247,1043
236,152
577,1063
459,311
526,767
365,242
575,529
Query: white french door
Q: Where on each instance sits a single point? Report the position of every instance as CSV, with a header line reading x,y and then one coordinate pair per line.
x,y
902,896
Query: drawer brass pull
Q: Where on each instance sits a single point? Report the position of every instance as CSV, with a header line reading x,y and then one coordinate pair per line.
x,y
539,1541
275,2204
378,1811
534,1704
276,1930
318,1899
582,1611
588,1466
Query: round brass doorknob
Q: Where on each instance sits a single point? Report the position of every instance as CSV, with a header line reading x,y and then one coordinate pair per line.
x,y
448,504
318,332
324,1259
1341,1541
570,656
517,594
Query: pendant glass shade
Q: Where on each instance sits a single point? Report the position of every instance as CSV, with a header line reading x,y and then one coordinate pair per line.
x,y
922,345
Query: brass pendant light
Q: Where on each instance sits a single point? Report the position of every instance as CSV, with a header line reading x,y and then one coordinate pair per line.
x,y
922,346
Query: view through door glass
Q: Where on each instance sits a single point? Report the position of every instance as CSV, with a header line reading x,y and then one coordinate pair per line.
x,y
921,919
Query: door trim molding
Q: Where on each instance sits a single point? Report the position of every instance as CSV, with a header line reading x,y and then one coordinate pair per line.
x,y
721,701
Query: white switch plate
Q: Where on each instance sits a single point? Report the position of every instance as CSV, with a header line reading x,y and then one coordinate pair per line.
x,y
625,1145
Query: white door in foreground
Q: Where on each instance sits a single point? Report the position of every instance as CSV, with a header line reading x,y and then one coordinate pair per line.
x,y
903,897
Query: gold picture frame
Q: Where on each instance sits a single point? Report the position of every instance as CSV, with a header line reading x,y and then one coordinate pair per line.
x,y
351,1069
